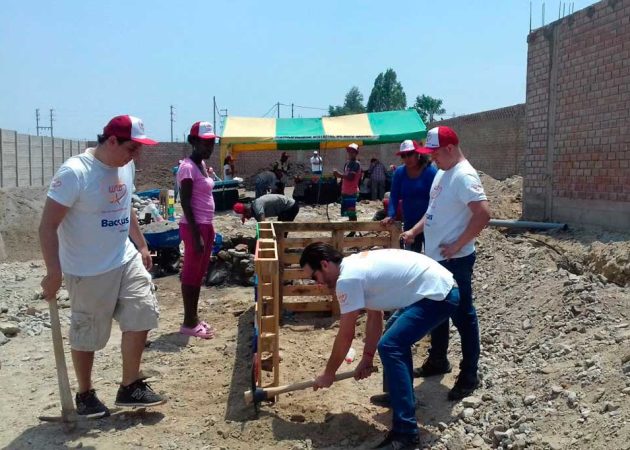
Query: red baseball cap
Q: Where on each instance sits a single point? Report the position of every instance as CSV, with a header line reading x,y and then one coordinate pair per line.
x,y
239,208
127,127
202,130
408,146
439,137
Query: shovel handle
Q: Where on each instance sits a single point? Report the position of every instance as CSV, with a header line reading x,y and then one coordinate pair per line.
x,y
68,412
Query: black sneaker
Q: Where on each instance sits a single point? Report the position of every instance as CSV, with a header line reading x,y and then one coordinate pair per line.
x,y
90,406
381,400
429,369
399,441
138,393
464,386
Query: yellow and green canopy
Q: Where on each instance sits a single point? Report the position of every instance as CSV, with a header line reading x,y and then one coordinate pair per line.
x,y
243,134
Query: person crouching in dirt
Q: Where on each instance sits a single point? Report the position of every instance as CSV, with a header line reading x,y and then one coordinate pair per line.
x,y
84,234
426,295
195,228
269,205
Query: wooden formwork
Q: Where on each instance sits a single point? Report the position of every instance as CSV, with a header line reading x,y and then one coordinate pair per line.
x,y
281,280
368,235
267,303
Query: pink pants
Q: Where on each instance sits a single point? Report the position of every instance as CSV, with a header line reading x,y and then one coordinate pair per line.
x,y
196,264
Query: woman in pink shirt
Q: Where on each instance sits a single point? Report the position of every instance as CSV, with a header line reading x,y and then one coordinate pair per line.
x,y
196,181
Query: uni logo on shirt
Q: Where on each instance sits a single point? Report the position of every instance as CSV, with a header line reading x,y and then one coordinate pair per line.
x,y
118,192
114,223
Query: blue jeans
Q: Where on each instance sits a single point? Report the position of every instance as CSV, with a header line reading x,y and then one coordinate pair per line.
x,y
406,327
465,319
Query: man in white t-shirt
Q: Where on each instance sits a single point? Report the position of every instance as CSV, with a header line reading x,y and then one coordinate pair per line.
x,y
423,293
458,211
317,163
84,234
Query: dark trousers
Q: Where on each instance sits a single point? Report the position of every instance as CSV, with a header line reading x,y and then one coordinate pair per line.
x,y
406,327
464,319
289,214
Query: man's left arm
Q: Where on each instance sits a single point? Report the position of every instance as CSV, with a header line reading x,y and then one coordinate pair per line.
x,y
478,221
373,332
138,239
345,335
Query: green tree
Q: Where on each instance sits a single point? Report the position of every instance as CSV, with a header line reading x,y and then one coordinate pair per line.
x,y
353,104
428,107
387,93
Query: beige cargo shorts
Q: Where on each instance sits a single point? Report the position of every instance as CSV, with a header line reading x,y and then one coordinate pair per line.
x,y
125,294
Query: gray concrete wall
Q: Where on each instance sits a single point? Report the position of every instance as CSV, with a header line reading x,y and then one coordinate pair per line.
x,y
27,160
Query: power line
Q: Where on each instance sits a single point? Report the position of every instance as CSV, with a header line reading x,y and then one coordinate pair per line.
x,y
305,107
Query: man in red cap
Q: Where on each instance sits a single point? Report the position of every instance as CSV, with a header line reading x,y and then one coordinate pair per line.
x,y
350,179
84,234
458,211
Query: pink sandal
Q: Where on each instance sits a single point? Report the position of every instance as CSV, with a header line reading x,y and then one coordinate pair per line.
x,y
199,331
208,327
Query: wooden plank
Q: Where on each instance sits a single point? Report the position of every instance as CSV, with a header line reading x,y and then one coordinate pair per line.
x,y
306,290
330,226
294,274
338,238
291,258
304,241
366,241
308,306
265,289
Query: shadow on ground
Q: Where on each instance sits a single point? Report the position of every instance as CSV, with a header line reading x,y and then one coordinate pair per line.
x,y
54,435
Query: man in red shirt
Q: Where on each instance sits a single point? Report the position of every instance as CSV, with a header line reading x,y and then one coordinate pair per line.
x,y
350,179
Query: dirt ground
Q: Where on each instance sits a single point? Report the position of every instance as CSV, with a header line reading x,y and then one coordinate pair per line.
x,y
554,311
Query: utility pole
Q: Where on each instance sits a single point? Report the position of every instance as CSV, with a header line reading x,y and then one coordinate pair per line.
x,y
172,120
292,110
278,109
214,113
37,127
223,113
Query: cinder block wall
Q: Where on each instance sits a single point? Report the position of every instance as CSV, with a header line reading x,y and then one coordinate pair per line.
x,y
577,156
493,141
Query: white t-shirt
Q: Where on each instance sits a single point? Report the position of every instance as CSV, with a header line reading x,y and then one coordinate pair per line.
x,y
448,214
316,163
94,234
389,279
227,176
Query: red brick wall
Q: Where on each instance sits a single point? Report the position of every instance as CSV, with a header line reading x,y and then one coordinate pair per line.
x,y
577,157
493,141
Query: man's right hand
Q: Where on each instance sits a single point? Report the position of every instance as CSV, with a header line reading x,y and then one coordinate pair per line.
x,y
407,236
50,285
387,221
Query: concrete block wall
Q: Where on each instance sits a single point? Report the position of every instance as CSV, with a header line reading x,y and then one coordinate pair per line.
x,y
493,141
27,160
577,155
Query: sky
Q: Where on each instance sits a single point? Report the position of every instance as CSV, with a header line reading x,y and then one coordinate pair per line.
x,y
91,60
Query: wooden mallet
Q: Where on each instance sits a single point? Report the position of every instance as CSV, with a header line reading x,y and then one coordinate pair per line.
x,y
262,394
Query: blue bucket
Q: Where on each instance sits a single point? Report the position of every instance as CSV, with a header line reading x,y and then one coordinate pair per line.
x,y
218,243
